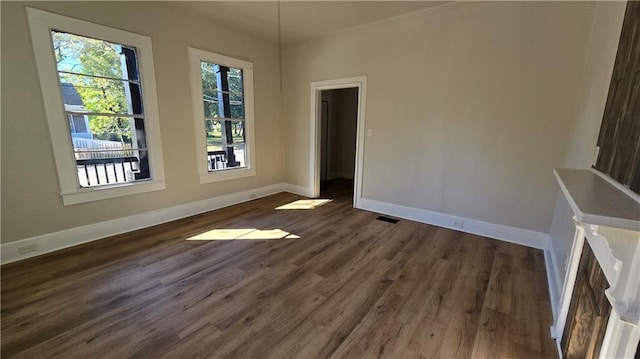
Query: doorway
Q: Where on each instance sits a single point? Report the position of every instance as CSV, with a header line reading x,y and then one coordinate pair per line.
x,y
337,143
338,124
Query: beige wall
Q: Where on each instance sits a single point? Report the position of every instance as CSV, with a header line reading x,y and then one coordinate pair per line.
x,y
594,87
470,104
31,204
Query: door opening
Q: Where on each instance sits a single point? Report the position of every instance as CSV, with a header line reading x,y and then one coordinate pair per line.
x,y
337,135
338,125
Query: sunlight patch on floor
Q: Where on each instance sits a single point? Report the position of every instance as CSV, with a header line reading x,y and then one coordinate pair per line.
x,y
242,234
305,204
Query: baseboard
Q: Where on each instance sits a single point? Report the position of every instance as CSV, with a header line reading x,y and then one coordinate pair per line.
x,y
552,280
515,235
10,252
344,175
299,190
67,238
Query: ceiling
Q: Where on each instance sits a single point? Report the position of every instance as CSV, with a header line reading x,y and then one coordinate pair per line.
x,y
301,20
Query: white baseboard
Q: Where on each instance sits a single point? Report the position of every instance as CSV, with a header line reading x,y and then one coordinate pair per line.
x,y
10,252
553,281
299,190
70,237
515,235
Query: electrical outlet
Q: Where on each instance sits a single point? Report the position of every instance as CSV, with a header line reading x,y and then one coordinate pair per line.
x,y
458,225
28,249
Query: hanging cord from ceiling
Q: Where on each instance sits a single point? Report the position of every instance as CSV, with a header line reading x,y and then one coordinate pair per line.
x,y
280,59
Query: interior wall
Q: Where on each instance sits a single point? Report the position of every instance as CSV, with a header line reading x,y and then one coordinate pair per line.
x,y
31,203
598,66
470,104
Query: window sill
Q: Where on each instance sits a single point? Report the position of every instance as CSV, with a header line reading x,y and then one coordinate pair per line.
x,y
226,175
99,193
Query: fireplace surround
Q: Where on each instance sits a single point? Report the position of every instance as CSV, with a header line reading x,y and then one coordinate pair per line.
x,y
607,221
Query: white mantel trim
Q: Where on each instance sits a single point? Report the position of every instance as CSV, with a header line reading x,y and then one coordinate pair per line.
x,y
614,183
593,218
569,283
621,269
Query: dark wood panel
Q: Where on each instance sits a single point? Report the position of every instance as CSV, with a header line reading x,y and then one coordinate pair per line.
x,y
619,138
611,126
349,287
627,55
589,310
634,140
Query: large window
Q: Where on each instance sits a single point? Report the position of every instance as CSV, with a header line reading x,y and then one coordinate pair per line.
x,y
99,92
222,90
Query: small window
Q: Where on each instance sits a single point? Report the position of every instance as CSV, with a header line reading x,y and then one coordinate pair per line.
x,y
222,90
102,80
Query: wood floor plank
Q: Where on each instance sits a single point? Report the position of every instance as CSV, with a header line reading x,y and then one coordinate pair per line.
x,y
342,285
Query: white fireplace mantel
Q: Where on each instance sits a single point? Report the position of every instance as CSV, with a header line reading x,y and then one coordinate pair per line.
x,y
608,216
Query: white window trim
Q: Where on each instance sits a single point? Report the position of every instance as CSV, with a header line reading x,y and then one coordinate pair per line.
x,y
195,56
40,24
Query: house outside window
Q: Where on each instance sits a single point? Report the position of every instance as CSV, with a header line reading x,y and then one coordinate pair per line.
x,y
99,91
222,93
78,123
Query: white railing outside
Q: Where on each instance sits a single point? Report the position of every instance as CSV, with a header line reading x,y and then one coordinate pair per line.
x,y
86,148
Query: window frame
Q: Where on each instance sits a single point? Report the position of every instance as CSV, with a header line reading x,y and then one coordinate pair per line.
x,y
195,57
41,23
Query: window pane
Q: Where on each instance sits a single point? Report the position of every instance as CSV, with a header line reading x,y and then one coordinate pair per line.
x,y
235,98
236,89
89,56
102,169
113,129
240,152
234,77
110,152
237,110
81,93
208,75
217,159
222,88
213,129
211,101
211,109
215,95
237,131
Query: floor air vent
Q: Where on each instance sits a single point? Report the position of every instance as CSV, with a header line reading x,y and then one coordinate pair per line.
x,y
387,219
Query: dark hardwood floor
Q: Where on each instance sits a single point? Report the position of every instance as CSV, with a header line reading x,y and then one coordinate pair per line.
x,y
349,287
